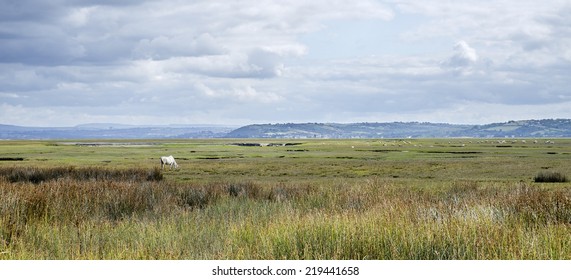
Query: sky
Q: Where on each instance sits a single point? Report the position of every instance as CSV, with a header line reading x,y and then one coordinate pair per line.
x,y
69,62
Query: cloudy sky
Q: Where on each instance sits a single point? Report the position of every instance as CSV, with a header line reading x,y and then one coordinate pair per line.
x,y
67,62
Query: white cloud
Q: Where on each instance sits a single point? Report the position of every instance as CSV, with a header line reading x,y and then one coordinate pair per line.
x,y
163,47
464,55
78,17
464,60
242,93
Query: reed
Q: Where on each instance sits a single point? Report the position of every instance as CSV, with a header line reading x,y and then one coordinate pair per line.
x,y
97,213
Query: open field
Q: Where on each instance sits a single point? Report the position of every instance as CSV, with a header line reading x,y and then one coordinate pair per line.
x,y
285,199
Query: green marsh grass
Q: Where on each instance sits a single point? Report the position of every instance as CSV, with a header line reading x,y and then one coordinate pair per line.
x,y
347,199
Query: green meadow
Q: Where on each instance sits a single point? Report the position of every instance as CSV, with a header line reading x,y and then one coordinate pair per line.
x,y
286,199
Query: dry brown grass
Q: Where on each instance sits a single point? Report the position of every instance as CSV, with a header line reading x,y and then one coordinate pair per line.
x,y
116,214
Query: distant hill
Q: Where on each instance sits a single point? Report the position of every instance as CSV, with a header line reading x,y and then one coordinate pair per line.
x,y
356,130
113,131
551,128
526,128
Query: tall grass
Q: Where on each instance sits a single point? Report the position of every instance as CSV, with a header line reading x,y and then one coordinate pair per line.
x,y
37,175
105,215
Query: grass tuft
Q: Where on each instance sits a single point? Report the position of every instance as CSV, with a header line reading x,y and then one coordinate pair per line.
x,y
550,177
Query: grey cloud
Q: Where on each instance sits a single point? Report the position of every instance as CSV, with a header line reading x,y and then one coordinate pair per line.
x,y
244,60
31,9
41,50
28,10
264,64
16,78
116,3
62,32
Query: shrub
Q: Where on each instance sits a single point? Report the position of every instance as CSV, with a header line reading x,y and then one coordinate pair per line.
x,y
550,177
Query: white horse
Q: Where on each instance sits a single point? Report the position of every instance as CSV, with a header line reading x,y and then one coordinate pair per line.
x,y
170,161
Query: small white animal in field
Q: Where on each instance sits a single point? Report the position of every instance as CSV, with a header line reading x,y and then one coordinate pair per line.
x,y
170,161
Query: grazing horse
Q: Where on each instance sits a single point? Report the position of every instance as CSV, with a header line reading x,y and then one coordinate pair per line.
x,y
170,161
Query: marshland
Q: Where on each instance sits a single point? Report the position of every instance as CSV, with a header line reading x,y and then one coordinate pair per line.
x,y
286,199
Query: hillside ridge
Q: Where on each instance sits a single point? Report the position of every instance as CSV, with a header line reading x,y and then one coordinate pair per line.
x,y
522,128
543,128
